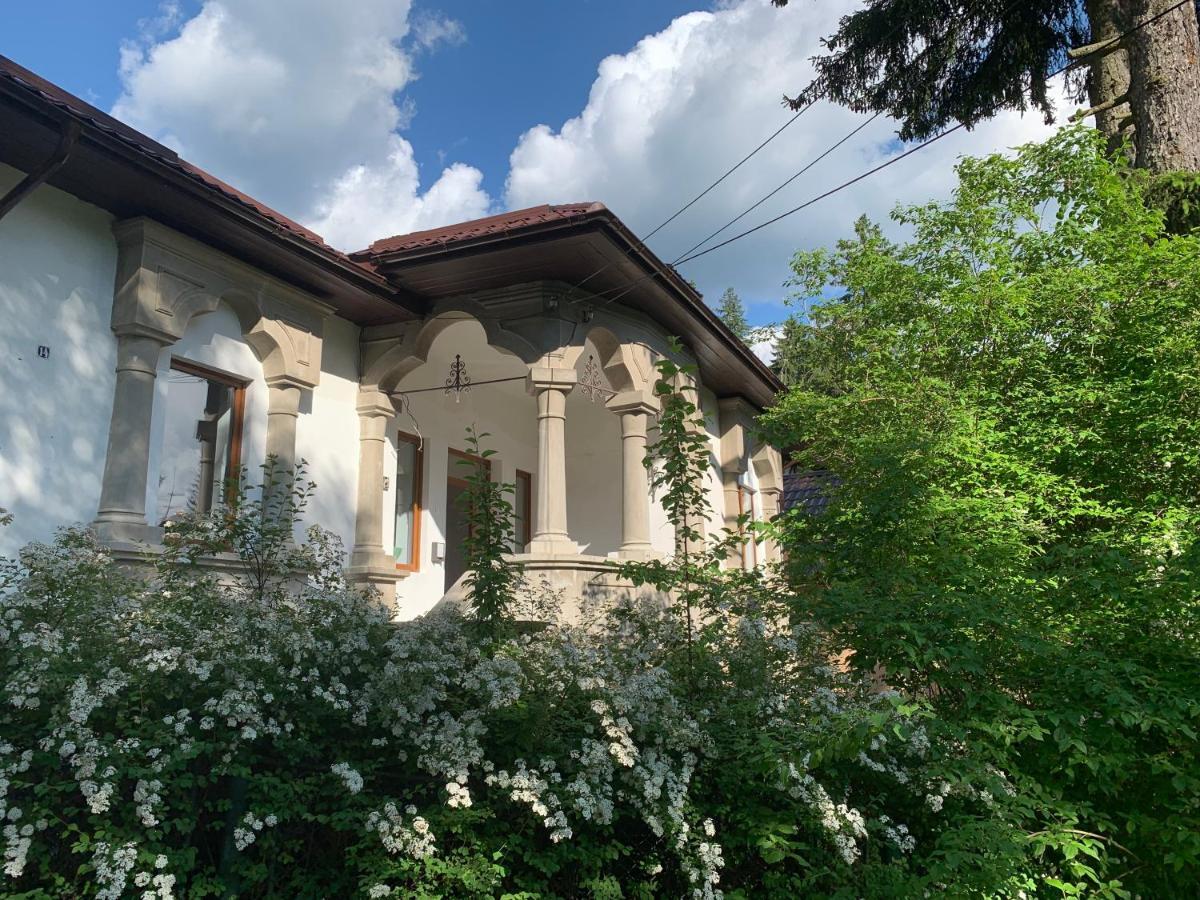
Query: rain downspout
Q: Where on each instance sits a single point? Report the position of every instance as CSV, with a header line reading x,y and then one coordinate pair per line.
x,y
66,141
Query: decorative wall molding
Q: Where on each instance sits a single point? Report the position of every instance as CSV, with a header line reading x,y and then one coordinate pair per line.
x,y
165,279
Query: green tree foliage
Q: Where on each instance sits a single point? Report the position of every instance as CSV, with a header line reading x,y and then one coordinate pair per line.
x,y
1011,401
491,579
733,313
930,64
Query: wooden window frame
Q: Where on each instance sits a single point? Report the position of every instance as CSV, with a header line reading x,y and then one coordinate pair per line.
x,y
525,479
469,457
237,408
414,565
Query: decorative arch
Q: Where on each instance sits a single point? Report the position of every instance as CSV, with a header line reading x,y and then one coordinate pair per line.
x,y
616,359
385,371
165,280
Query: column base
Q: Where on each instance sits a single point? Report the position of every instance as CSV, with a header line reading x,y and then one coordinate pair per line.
x,y
553,547
378,570
638,552
126,530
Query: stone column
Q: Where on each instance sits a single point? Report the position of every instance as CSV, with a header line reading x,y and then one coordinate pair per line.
x,y
121,517
550,387
770,508
369,562
283,411
731,480
635,409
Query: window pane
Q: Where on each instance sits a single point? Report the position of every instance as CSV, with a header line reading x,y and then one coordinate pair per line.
x,y
406,497
197,441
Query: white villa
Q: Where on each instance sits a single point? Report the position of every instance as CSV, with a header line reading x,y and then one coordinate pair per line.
x,y
160,330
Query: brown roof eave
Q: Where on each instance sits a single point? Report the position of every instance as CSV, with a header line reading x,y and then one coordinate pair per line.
x,y
147,163
694,301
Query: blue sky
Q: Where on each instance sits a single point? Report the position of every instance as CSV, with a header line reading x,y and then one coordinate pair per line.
x,y
524,61
375,117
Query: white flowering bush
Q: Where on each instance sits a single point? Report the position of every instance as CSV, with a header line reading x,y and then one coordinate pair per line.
x,y
263,729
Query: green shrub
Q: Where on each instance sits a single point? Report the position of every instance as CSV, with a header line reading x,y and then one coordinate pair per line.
x,y
272,733
1010,405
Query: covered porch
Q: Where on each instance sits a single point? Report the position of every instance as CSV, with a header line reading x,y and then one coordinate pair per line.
x,y
567,409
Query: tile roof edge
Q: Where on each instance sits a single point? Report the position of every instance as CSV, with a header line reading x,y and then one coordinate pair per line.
x,y
50,93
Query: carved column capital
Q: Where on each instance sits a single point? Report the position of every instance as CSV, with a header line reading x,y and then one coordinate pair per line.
x,y
545,378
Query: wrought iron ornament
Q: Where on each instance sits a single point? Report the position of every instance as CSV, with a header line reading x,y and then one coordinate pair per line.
x,y
592,384
459,381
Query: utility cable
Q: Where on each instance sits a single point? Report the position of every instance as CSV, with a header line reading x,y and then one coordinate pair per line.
x,y
889,162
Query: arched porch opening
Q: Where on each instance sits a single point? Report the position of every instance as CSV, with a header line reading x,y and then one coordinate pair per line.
x,y
454,379
594,490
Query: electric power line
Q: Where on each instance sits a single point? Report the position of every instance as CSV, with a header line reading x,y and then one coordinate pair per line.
x,y
889,162
768,196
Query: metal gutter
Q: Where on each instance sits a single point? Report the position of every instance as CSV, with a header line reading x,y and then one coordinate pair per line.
x,y
56,160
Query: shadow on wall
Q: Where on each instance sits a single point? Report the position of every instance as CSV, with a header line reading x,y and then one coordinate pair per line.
x,y
57,361
327,433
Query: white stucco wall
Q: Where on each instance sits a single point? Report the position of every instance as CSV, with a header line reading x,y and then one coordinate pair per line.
x,y
57,269
327,432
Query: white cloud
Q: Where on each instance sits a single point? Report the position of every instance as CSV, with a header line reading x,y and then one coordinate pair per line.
x,y
297,107
764,346
363,204
430,29
665,119
304,110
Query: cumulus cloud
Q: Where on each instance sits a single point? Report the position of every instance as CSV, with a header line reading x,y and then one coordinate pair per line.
x,y
362,204
665,119
763,344
299,110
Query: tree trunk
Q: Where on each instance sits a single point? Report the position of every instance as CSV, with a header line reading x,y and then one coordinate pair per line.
x,y
1164,83
1109,75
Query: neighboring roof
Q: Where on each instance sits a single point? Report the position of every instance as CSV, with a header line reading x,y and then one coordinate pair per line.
x,y
477,228
808,491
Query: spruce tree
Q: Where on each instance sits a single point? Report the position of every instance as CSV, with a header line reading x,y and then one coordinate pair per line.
x,y
929,63
733,313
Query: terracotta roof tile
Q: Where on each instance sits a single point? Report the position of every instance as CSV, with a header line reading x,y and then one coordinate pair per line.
x,y
477,228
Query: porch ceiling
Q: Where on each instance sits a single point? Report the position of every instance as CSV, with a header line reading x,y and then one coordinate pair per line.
x,y
591,244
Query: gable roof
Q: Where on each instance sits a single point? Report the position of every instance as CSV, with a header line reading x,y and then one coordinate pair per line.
x,y
128,173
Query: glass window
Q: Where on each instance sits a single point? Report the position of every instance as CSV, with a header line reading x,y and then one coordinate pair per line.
x,y
408,501
523,512
202,439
